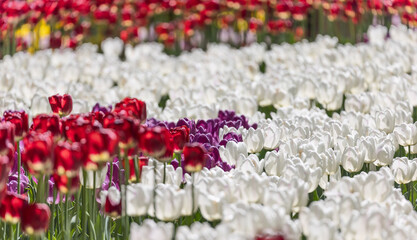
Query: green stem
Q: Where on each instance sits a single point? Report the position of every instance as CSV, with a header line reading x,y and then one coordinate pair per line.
x,y
111,174
165,169
67,220
40,190
93,215
192,194
409,152
84,207
125,217
18,166
52,222
154,188
137,169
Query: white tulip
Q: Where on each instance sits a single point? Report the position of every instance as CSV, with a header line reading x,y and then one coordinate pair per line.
x,y
352,159
139,198
254,140
151,230
406,134
404,170
169,203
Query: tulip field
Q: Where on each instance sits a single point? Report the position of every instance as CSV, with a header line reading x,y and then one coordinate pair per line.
x,y
211,119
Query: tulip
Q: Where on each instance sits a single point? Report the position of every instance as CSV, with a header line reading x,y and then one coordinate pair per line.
x,y
37,155
65,184
139,198
12,207
4,172
168,203
75,128
35,218
111,202
254,140
153,141
67,159
180,135
136,165
404,170
7,140
406,134
232,151
132,107
352,159
101,145
47,123
194,157
61,104
385,120
151,230
126,129
20,121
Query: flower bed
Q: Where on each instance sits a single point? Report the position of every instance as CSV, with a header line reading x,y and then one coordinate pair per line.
x,y
314,140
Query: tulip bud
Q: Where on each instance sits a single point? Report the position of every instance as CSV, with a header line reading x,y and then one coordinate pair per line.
x,y
35,218
20,121
37,155
61,104
11,207
180,136
132,107
194,157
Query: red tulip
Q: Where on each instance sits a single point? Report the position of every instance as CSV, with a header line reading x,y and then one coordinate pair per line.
x,y
11,207
169,147
7,139
112,205
3,192
126,129
76,127
141,161
101,145
7,130
35,218
67,159
61,104
4,173
152,141
180,136
65,184
37,155
132,107
194,157
20,121
44,122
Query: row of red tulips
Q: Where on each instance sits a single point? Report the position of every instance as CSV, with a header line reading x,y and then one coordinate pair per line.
x,y
60,145
180,23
